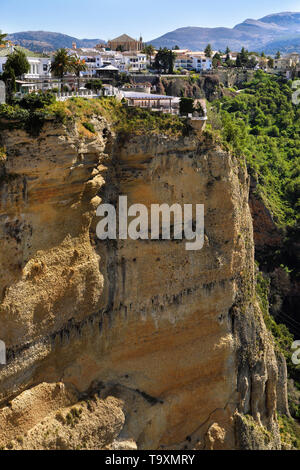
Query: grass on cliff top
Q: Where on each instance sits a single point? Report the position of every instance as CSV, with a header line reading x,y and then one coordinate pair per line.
x,y
123,119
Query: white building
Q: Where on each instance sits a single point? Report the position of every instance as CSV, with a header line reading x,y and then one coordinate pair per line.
x,y
39,66
134,61
189,60
183,61
96,59
201,62
91,57
287,62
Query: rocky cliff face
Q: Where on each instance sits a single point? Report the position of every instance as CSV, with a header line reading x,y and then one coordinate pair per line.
x,y
128,344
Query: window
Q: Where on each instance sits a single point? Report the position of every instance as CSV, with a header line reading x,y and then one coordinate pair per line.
x,y
45,67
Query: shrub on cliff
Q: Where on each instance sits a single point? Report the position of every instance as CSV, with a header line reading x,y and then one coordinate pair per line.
x,y
34,101
13,113
28,113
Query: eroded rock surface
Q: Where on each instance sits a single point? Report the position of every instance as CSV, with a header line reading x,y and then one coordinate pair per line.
x,y
171,342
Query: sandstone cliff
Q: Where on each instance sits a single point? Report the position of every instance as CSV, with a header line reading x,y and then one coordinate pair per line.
x,y
128,344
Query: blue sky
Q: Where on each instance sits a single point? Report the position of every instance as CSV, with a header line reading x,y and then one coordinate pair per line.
x,y
110,18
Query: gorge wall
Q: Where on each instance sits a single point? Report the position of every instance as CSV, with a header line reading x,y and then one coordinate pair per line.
x,y
129,344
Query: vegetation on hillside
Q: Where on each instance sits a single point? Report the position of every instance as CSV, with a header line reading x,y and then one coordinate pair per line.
x,y
34,110
282,336
263,124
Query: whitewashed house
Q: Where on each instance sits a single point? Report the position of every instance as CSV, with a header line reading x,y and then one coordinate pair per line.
x,y
189,60
91,57
39,66
201,62
134,61
183,61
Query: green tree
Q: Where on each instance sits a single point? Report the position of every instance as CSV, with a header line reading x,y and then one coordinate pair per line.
x,y
208,51
171,61
227,52
2,38
216,60
278,55
238,62
17,61
271,63
9,79
94,85
228,61
149,50
61,64
244,56
186,106
164,60
78,66
252,63
242,59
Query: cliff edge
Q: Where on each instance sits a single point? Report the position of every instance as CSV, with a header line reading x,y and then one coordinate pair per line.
x,y
128,344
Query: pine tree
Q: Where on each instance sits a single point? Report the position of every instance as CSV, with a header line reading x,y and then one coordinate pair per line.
x,y
208,51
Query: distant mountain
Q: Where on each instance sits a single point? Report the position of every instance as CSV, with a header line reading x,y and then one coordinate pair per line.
x,y
44,41
286,19
285,45
281,31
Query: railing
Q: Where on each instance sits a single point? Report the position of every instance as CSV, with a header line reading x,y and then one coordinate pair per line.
x,y
65,95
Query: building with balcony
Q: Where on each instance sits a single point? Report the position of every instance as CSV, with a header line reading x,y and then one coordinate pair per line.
x,y
200,61
134,61
154,102
188,60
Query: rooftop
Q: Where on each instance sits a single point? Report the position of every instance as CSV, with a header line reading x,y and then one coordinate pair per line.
x,y
109,67
5,51
147,96
123,38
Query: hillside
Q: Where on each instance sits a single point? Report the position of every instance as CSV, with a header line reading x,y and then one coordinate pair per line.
x,y
263,34
44,41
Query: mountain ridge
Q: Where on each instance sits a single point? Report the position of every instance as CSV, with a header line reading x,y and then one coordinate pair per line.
x,y
47,41
253,34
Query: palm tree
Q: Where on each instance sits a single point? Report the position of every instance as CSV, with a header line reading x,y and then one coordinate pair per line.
x,y
149,51
2,38
61,64
78,66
